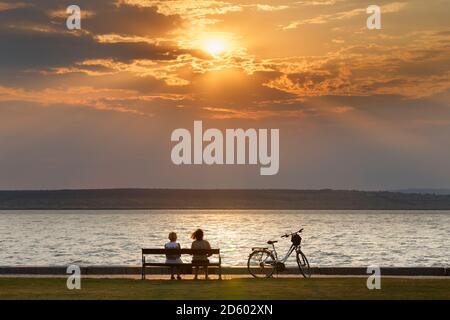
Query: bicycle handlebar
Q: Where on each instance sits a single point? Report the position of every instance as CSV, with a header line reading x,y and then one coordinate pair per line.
x,y
291,234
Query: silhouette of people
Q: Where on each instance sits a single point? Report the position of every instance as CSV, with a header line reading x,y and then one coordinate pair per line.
x,y
199,243
173,259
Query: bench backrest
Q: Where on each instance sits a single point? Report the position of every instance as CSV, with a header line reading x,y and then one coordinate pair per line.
x,y
181,251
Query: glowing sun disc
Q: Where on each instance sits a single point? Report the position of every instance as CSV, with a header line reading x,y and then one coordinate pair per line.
x,y
215,46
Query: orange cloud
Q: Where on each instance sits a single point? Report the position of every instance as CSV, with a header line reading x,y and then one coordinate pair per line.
x,y
227,114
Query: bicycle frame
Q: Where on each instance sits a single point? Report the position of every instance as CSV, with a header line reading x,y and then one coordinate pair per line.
x,y
288,254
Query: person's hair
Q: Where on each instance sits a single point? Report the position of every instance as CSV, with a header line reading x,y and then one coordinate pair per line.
x,y
172,236
197,235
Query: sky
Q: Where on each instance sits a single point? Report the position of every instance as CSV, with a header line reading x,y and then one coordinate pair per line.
x,y
95,108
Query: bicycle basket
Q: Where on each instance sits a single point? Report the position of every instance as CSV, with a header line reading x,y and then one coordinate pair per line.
x,y
296,240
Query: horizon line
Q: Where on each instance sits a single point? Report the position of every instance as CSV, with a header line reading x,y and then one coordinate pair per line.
x,y
397,190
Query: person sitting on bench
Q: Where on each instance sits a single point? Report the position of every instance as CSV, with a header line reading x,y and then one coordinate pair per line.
x,y
175,259
199,243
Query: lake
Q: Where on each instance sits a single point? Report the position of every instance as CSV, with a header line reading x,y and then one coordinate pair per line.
x,y
330,238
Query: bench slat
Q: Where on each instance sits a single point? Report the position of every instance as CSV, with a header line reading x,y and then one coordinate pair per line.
x,y
180,251
168,265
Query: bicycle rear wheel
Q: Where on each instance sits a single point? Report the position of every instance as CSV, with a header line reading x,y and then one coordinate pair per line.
x,y
303,264
261,264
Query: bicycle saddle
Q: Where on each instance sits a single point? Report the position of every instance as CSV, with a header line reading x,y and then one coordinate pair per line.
x,y
271,242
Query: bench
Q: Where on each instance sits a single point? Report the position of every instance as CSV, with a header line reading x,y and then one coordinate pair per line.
x,y
206,264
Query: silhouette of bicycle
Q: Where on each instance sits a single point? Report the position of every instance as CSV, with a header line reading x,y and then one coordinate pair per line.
x,y
263,262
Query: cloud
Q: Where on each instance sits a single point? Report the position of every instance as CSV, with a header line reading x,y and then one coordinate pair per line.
x,y
196,14
132,20
229,114
324,18
98,17
8,5
343,15
122,100
318,2
23,17
266,7
25,50
100,99
417,69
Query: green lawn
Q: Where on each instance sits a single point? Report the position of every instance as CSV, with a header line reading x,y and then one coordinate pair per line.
x,y
319,288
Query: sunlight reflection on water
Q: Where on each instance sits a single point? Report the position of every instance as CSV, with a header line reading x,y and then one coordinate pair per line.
x,y
331,238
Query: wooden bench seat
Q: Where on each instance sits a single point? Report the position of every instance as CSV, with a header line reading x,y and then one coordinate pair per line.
x,y
175,252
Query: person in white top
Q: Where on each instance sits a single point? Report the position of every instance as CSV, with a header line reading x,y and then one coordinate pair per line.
x,y
173,259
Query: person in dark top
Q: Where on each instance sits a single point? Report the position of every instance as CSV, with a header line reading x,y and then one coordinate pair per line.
x,y
200,243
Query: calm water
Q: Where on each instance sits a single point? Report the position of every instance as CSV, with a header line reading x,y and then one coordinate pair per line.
x,y
331,238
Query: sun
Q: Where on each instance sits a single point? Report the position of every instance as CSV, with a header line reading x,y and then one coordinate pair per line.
x,y
215,47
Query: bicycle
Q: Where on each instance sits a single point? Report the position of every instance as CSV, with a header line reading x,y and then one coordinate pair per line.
x,y
263,262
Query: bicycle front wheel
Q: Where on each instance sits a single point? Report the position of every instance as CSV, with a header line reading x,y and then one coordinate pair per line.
x,y
303,264
261,264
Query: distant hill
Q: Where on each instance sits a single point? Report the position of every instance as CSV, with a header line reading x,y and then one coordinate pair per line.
x,y
425,191
220,199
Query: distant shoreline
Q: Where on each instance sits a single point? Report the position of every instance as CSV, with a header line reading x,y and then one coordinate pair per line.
x,y
245,199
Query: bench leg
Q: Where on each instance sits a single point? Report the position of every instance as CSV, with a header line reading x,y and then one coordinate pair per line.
x,y
143,273
220,272
196,273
